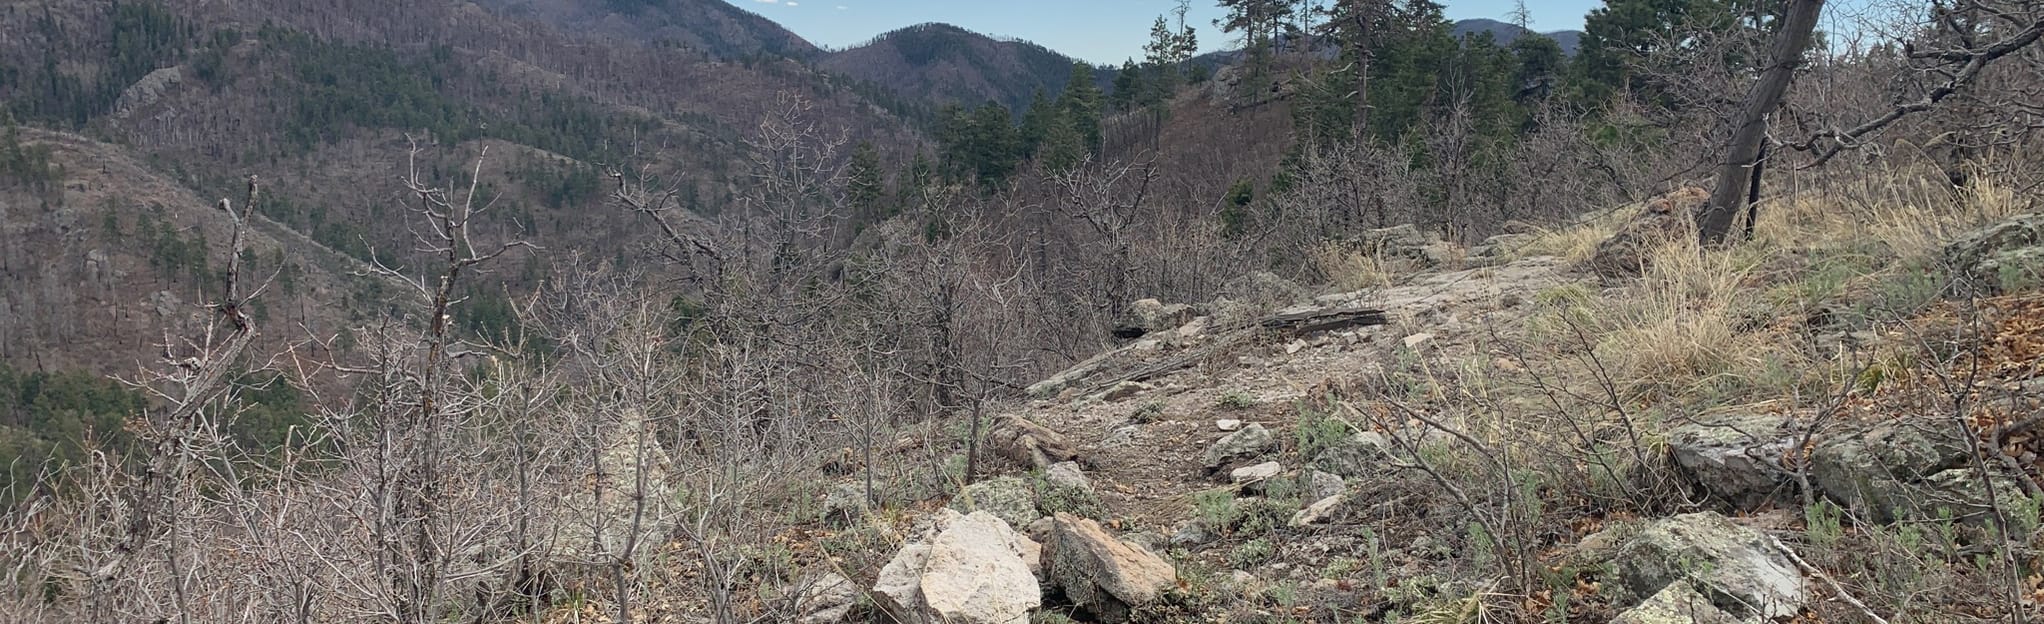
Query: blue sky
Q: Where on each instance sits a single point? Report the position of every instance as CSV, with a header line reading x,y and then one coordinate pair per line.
x,y
1102,31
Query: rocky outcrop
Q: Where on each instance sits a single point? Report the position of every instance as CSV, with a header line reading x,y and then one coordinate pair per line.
x,y
1735,567
975,569
1678,603
1248,442
1101,574
1028,443
1320,511
1995,256
1902,470
1736,457
1149,316
1665,219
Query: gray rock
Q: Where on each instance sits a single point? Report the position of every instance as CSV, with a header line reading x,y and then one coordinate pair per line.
x,y
1008,498
845,505
1320,485
825,598
1194,533
1149,316
1737,568
1067,474
1736,457
1899,470
1319,511
1985,254
1103,575
1250,441
898,590
1256,473
1677,604
1124,390
1358,456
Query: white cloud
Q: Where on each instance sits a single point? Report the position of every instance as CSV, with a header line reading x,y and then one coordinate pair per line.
x,y
843,7
794,3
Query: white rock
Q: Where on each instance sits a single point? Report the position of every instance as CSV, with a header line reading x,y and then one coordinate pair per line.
x,y
1227,424
1415,340
1259,472
976,573
1318,511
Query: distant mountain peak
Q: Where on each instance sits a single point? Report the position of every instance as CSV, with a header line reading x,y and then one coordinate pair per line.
x,y
712,26
1505,33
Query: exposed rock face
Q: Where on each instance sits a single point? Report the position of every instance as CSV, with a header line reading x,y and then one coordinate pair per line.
x,y
1736,457
1007,498
1901,470
1665,219
1737,568
1250,441
2010,250
147,91
1029,443
975,569
1101,574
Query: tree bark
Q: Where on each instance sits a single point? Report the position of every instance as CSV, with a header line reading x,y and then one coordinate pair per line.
x,y
1784,56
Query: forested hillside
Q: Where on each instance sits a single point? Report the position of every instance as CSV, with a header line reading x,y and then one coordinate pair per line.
x,y
650,311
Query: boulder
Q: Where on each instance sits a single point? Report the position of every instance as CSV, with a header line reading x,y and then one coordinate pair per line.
x,y
1008,498
2009,249
1067,474
1319,485
1664,219
1903,470
1737,568
974,569
1678,603
1251,440
898,590
1150,316
1736,457
977,573
845,505
1103,575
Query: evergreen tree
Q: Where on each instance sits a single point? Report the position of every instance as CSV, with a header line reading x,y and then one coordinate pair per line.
x,y
1080,105
1258,24
1128,87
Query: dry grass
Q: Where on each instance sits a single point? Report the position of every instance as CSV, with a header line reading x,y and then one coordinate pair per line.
x,y
1349,269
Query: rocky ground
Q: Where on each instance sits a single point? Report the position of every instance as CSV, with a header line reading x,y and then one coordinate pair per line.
x,y
1514,432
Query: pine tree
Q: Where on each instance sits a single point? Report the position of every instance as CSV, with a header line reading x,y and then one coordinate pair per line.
x,y
1259,23
1128,87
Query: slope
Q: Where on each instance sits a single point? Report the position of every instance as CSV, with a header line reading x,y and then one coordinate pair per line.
x,y
712,26
952,65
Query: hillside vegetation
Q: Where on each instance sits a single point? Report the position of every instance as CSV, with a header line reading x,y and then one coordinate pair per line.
x,y
643,312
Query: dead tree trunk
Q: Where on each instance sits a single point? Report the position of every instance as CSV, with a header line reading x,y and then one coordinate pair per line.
x,y
1743,153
